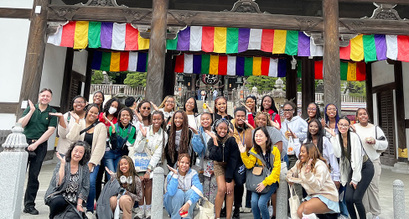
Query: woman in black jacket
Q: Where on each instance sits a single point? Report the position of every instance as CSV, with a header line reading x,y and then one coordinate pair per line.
x,y
223,150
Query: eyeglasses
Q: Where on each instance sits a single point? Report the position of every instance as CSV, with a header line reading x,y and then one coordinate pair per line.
x,y
311,109
343,125
288,110
332,109
146,108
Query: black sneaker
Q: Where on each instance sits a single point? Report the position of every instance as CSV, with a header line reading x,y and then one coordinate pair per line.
x,y
30,210
236,213
223,212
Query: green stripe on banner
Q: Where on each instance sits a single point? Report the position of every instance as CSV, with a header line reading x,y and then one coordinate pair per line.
x,y
205,64
232,41
172,44
299,68
106,61
291,44
147,58
94,34
344,70
369,48
248,66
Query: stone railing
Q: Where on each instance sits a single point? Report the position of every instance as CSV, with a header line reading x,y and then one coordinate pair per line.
x,y
3,137
113,89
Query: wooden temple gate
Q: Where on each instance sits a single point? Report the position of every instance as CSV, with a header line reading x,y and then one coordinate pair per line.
x,y
161,23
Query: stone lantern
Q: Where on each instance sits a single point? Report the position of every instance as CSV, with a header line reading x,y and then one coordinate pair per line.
x,y
13,164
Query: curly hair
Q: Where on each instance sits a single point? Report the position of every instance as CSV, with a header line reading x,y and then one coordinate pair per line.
x,y
269,144
184,137
87,152
108,105
266,115
132,173
140,106
313,154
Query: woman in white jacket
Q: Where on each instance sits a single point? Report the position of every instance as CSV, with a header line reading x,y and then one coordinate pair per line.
x,y
355,167
146,153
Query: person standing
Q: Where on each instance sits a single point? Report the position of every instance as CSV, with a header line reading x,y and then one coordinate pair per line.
x,y
38,126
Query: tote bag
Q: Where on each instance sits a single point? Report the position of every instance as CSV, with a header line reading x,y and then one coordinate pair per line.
x,y
294,202
206,210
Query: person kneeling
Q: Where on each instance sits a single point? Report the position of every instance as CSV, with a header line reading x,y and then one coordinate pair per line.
x,y
180,199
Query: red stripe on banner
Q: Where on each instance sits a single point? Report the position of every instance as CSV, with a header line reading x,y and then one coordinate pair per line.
x,y
180,65
123,62
360,71
318,69
345,52
131,38
68,31
207,39
222,65
403,48
267,39
265,65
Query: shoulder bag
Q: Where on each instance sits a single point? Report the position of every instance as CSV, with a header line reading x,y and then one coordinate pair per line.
x,y
256,175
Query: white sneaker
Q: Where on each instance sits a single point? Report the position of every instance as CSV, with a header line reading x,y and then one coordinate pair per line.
x,y
139,213
148,213
342,217
270,210
309,216
245,210
90,215
375,217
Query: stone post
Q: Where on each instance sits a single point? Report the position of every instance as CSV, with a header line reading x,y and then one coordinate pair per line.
x,y
282,194
157,193
398,199
13,163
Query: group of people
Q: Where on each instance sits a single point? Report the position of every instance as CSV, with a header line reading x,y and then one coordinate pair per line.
x,y
107,153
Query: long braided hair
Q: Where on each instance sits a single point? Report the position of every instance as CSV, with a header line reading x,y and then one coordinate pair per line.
x,y
184,137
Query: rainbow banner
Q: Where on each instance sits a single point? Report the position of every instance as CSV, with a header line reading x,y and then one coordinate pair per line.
x,y
230,65
349,71
222,40
120,61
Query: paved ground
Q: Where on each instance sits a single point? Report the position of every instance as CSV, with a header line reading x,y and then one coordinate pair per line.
x,y
386,193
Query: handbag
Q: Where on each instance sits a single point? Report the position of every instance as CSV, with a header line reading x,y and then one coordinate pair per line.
x,y
142,160
293,144
294,202
206,210
256,175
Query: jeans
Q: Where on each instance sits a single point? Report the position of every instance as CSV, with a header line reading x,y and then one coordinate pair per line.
x,y
111,160
174,203
259,202
34,167
92,189
354,196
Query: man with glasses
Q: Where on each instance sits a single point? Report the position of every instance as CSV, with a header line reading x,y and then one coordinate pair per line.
x,y
38,127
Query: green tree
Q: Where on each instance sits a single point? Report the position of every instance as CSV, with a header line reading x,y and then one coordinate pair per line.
x,y
263,83
97,77
356,88
136,79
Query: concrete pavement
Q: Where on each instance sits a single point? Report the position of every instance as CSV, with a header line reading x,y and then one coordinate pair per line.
x,y
386,193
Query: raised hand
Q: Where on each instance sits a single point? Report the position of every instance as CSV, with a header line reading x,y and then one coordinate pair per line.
x,y
331,131
62,160
275,124
208,108
193,129
172,169
248,124
323,123
308,166
109,171
154,106
242,147
31,105
143,130
247,108
75,116
139,116
211,134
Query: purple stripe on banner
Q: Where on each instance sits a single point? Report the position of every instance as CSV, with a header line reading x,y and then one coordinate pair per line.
x,y
244,36
197,64
106,34
141,67
380,43
96,60
239,65
282,67
303,44
184,40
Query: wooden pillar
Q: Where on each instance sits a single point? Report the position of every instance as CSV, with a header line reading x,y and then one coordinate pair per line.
x,y
33,66
369,96
291,83
332,79
157,52
308,84
88,74
400,105
170,76
66,83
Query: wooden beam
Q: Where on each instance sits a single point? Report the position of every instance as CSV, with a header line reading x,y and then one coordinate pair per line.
x,y
66,83
291,82
33,66
15,13
88,74
157,52
170,75
383,87
369,96
332,85
400,105
402,2
9,107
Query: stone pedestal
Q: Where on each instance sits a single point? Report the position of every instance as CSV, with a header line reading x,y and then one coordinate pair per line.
x,y
282,194
12,176
398,199
157,193
401,167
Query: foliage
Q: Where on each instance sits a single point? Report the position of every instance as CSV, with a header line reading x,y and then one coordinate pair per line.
x,y
97,77
356,88
136,79
263,83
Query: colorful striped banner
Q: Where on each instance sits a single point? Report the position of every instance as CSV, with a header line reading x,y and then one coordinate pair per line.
x,y
120,61
222,40
230,65
349,71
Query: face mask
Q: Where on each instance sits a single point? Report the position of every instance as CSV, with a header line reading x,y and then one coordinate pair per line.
x,y
112,110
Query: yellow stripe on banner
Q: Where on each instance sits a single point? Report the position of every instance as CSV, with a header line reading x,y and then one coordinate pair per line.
x,y
220,37
351,74
280,37
142,42
257,66
214,65
357,48
115,60
81,34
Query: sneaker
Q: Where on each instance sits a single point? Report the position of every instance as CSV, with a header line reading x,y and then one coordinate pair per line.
x,y
375,217
236,213
139,213
31,210
90,215
148,213
270,210
341,216
245,210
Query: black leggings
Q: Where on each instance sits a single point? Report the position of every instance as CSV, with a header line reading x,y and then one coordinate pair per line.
x,y
354,196
57,205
